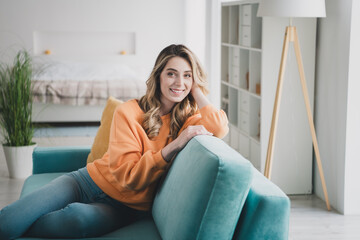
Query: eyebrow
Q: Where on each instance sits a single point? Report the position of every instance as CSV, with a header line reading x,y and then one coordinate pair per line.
x,y
173,69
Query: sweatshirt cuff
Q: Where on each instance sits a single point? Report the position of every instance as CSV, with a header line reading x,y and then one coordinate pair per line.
x,y
159,160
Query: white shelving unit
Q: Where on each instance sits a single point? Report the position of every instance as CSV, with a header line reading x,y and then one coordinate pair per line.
x,y
250,59
241,77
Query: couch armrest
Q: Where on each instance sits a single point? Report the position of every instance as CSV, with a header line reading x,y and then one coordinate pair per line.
x,y
204,191
59,159
266,212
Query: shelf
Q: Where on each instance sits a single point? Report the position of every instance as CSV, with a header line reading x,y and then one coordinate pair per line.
x,y
241,47
241,57
256,139
241,89
250,55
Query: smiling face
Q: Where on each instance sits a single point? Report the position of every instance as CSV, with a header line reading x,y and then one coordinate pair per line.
x,y
175,82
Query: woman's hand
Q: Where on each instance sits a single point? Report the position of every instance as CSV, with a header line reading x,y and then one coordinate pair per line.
x,y
189,133
199,96
169,151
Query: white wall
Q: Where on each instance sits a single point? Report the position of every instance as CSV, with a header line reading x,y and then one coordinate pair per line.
x,y
213,49
156,23
195,27
337,113
352,156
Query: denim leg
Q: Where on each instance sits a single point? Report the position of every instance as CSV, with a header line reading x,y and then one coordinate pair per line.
x,y
95,215
16,218
70,206
79,220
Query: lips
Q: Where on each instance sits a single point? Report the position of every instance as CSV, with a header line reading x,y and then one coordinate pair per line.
x,y
176,91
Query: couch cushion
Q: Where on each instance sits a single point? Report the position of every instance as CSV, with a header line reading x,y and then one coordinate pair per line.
x,y
59,159
36,181
266,212
143,229
203,193
101,140
140,230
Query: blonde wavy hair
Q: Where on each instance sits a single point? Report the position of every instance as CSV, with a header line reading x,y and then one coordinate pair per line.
x,y
150,103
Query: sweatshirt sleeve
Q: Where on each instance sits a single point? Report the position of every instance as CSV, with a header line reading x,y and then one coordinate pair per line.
x,y
133,169
214,120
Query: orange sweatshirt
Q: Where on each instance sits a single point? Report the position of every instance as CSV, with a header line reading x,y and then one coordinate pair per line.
x,y
132,166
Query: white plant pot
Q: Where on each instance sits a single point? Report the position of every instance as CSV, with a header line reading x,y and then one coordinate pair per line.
x,y
19,160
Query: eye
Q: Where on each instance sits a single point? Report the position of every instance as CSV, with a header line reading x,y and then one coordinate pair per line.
x,y
188,75
171,74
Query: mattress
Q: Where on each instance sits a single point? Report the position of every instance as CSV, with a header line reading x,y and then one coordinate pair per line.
x,y
80,84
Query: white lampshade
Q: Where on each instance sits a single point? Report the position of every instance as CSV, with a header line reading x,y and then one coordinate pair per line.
x,y
291,8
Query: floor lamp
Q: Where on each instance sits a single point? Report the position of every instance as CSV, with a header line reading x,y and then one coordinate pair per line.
x,y
292,9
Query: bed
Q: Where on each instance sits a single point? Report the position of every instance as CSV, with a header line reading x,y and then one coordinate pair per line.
x,y
77,91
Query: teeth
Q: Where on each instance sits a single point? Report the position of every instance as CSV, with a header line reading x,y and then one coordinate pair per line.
x,y
176,91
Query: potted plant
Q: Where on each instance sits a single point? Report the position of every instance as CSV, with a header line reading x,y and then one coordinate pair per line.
x,y
16,114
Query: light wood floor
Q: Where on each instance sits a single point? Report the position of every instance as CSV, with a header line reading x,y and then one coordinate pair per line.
x,y
309,219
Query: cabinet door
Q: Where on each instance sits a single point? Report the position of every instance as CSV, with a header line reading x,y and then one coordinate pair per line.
x,y
234,138
244,122
244,102
244,145
246,14
246,36
235,75
235,56
255,154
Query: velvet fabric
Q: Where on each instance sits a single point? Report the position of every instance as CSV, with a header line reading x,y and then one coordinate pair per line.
x,y
142,230
37,181
266,212
59,159
204,192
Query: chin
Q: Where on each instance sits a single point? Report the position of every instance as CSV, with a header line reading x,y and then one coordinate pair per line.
x,y
180,98
177,100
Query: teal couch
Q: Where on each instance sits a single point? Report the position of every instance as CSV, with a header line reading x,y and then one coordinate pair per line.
x,y
210,192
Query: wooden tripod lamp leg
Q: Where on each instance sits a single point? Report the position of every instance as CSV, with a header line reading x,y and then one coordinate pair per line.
x,y
309,114
270,150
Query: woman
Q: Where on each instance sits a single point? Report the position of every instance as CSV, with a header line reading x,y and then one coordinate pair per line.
x,y
120,187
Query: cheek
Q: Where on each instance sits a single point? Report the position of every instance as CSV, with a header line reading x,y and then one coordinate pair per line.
x,y
163,83
162,87
189,84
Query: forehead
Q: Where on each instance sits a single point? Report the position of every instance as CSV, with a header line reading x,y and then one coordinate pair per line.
x,y
179,64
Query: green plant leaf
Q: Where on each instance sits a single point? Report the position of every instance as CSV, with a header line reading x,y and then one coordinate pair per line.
x,y
16,101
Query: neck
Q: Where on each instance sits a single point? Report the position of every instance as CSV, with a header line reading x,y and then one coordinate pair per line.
x,y
164,111
166,107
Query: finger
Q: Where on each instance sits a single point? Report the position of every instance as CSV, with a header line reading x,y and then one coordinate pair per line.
x,y
207,132
203,132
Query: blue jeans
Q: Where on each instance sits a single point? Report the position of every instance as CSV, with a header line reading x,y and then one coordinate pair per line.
x,y
70,206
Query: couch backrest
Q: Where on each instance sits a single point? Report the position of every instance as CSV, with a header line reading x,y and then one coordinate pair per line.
x,y
203,193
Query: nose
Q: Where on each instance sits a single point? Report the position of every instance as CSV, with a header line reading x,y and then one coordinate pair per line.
x,y
179,80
